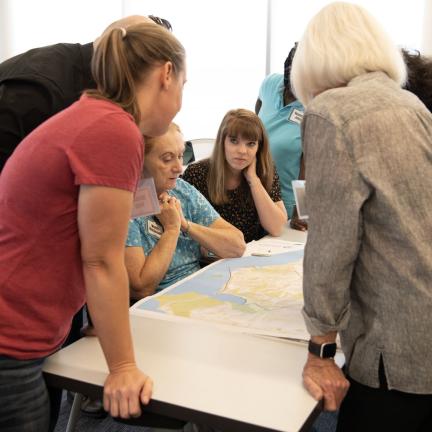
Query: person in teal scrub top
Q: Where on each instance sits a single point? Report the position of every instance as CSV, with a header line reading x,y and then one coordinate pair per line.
x,y
282,114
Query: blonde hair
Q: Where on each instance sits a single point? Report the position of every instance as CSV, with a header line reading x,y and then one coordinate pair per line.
x,y
124,22
238,123
124,56
151,141
341,42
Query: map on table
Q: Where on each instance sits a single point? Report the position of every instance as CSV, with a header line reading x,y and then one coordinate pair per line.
x,y
260,295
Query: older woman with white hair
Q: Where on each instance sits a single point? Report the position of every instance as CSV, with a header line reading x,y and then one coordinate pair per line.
x,y
368,259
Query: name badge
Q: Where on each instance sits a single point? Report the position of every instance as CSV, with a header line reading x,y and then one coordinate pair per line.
x,y
154,228
146,201
296,116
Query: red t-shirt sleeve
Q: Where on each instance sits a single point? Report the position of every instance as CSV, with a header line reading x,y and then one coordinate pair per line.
x,y
108,153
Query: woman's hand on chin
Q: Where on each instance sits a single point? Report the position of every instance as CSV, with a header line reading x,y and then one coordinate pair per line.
x,y
250,172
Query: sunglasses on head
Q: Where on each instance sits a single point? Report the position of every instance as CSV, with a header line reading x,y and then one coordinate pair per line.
x,y
161,21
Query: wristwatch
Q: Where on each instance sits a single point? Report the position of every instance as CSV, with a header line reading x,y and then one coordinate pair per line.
x,y
325,350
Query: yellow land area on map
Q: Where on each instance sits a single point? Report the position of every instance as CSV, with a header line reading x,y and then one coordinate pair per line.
x,y
185,304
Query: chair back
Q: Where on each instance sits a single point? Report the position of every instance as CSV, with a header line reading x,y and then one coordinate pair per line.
x,y
202,147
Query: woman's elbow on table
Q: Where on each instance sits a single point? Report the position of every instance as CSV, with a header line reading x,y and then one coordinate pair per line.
x,y
277,229
237,246
137,292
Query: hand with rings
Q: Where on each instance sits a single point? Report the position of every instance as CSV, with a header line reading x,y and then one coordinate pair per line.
x,y
169,215
164,197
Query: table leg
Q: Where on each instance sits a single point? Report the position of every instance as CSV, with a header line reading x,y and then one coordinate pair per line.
x,y
75,412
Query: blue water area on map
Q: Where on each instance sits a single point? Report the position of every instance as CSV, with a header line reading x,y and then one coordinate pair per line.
x,y
213,278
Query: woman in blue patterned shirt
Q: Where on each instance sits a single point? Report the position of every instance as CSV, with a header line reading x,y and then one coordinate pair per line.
x,y
165,248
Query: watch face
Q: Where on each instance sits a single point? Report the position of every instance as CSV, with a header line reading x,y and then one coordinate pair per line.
x,y
325,350
329,350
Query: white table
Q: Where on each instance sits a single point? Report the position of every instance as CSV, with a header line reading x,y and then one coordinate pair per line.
x,y
226,379
292,235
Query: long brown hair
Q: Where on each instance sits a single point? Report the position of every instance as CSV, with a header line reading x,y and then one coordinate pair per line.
x,y
238,123
124,56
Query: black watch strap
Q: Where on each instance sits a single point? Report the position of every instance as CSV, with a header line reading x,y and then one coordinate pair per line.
x,y
324,350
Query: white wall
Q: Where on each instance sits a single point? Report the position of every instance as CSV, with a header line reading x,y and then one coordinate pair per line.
x,y
405,21
33,23
225,40
225,45
426,46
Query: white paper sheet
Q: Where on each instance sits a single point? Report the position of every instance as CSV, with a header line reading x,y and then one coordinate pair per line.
x,y
270,246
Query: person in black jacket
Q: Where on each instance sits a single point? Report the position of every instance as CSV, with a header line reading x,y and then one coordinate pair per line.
x,y
41,82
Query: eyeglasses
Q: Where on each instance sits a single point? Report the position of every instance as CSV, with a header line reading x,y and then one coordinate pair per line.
x,y
161,21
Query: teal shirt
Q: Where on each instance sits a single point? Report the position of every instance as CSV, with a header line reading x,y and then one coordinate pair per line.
x,y
282,124
187,254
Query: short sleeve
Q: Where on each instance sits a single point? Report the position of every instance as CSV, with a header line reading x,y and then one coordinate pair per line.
x,y
271,85
134,235
199,210
108,153
203,212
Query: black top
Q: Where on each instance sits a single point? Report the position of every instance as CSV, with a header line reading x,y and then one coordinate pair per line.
x,y
240,209
38,84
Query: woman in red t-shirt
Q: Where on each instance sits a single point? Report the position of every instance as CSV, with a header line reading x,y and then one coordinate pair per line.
x,y
65,200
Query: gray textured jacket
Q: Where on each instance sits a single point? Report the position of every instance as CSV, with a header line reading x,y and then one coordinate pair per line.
x,y
368,258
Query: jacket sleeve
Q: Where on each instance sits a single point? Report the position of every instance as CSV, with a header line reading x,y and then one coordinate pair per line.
x,y
335,193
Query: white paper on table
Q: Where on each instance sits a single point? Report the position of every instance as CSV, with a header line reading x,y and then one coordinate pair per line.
x,y
269,247
146,201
